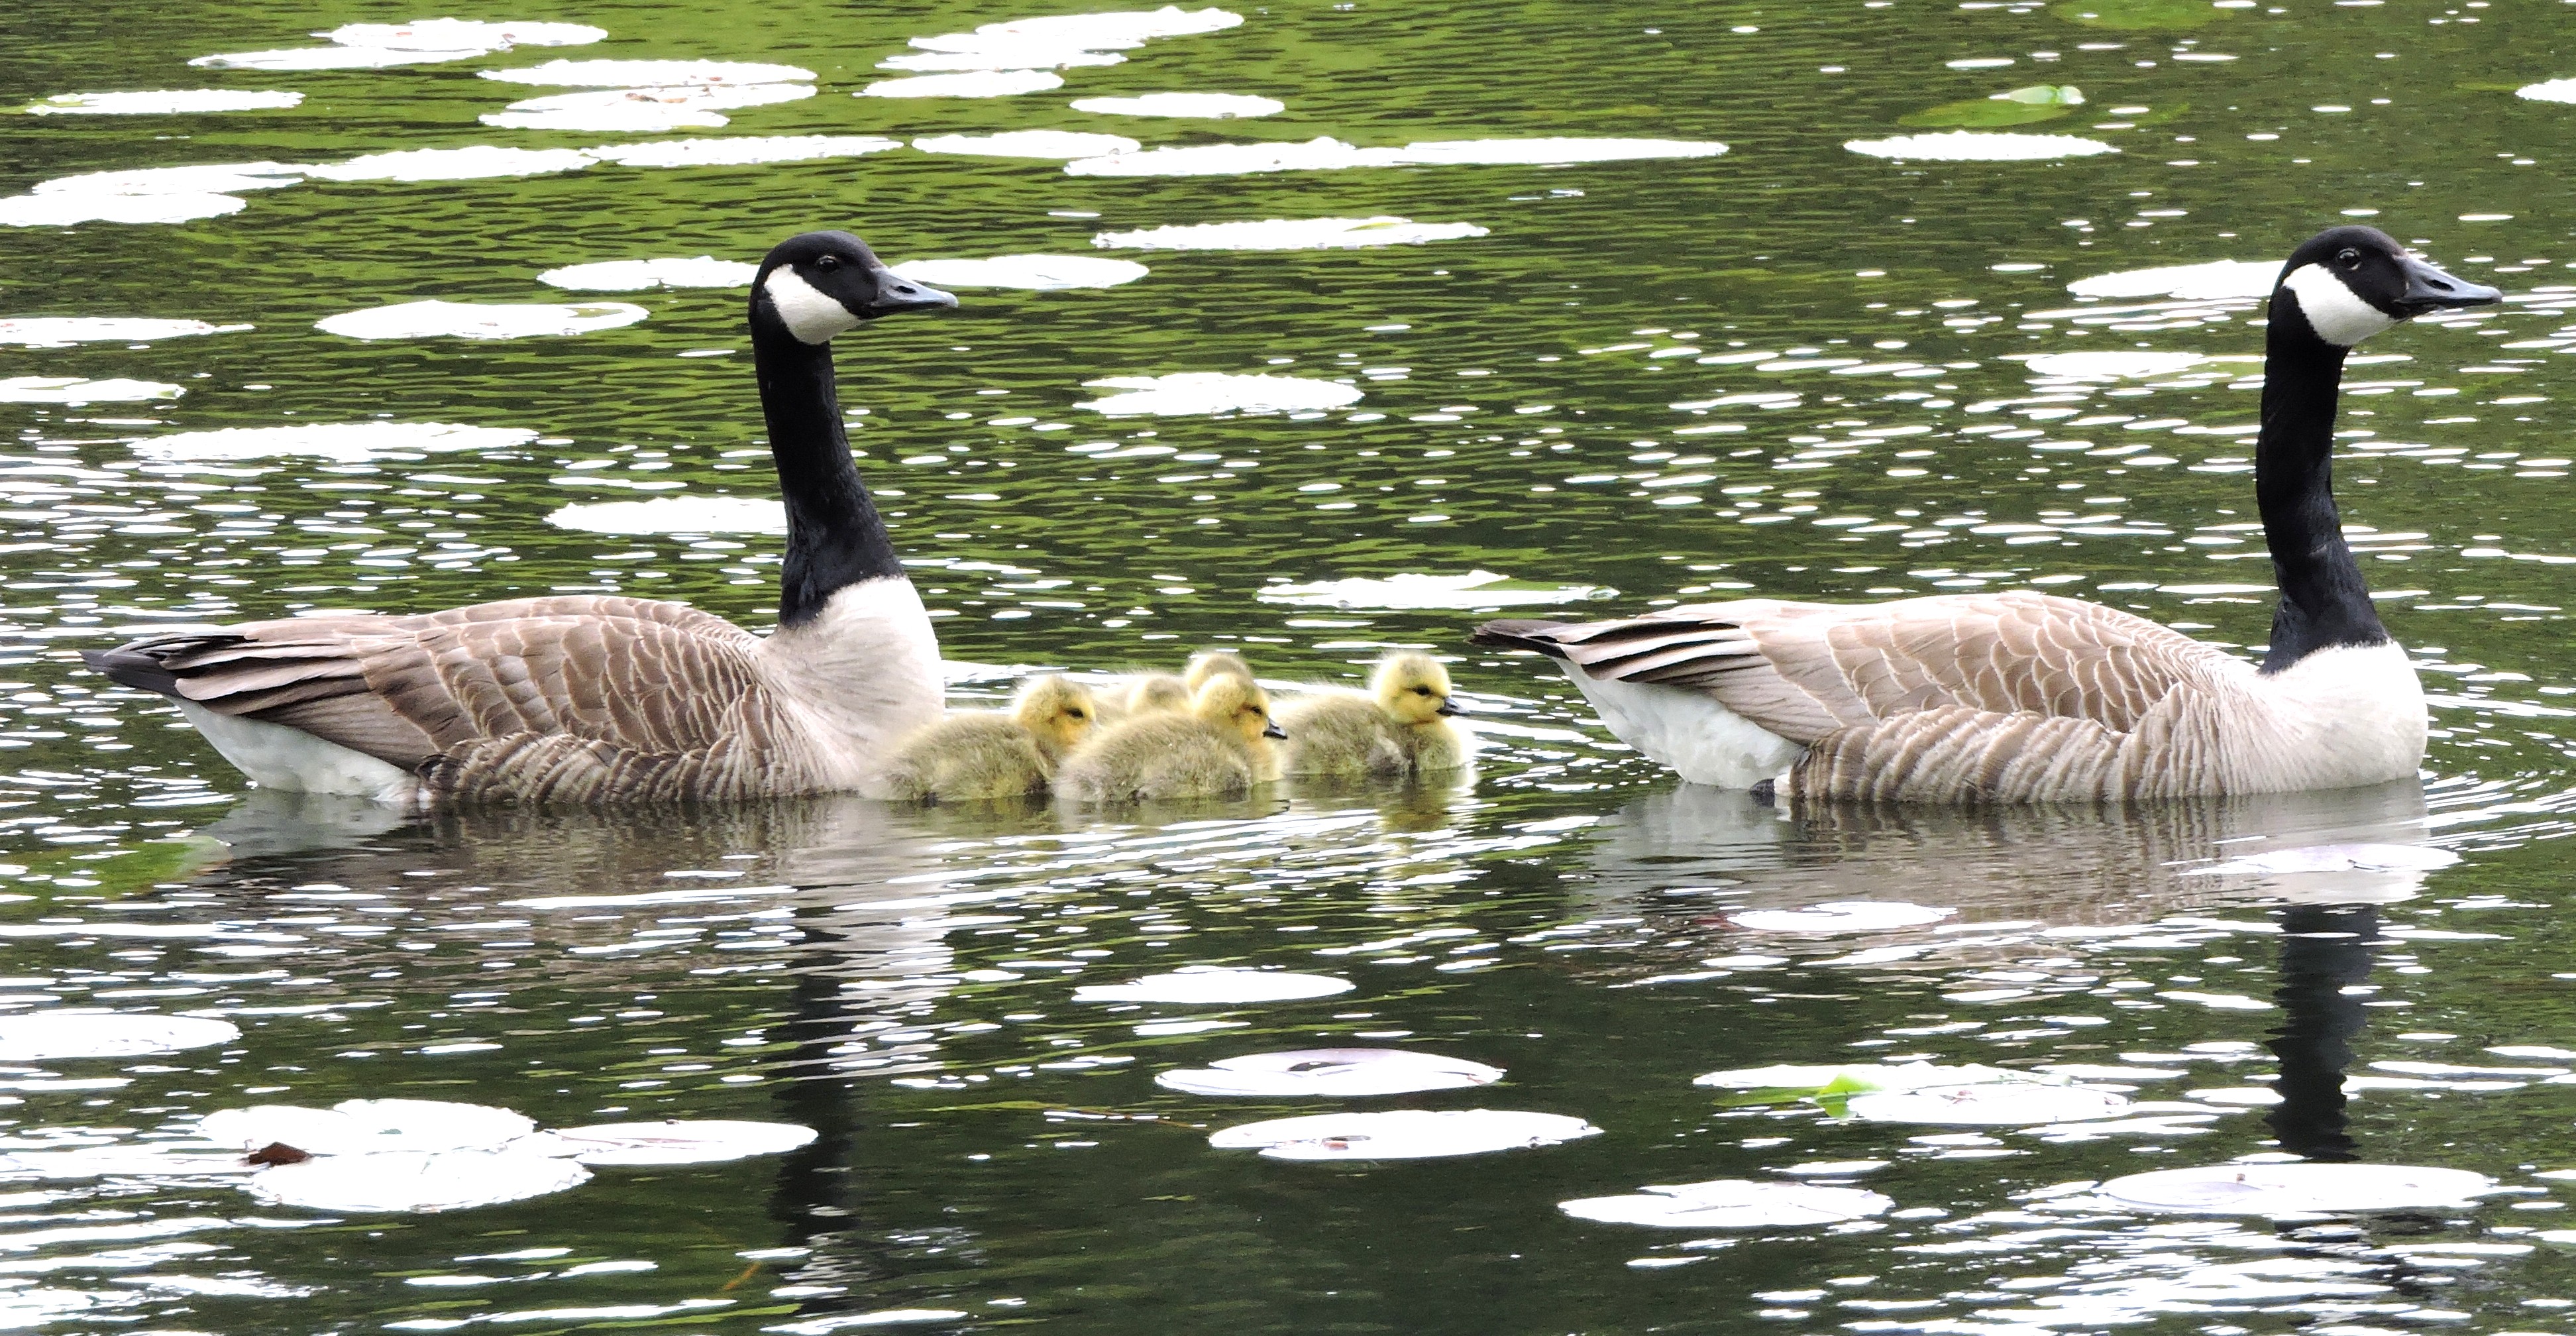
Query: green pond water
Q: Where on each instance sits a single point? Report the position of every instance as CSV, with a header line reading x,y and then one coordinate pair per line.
x,y
1791,368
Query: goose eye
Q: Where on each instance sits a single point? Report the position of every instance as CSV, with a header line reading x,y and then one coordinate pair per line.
x,y
2348,257
832,262
1422,691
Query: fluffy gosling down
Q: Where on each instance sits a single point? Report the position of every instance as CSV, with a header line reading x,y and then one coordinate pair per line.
x,y
1401,727
984,755
1216,750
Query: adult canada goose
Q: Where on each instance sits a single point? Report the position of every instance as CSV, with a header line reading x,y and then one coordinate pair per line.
x,y
584,698
1400,727
2025,697
1219,749
985,755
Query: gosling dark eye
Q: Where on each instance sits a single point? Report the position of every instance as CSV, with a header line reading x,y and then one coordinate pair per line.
x,y
832,262
1422,691
2348,257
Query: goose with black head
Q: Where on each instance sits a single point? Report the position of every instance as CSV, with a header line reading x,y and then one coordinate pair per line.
x,y
2021,696
595,699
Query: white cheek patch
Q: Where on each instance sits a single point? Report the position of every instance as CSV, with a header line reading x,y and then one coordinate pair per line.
x,y
2332,310
810,315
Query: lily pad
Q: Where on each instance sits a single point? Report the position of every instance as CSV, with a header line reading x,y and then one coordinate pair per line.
x,y
1989,1104
1859,1078
698,1141
1405,1134
1730,1203
1336,1072
704,271
479,320
2019,106
1967,146
2296,1188
414,1180
1214,986
48,1036
363,1126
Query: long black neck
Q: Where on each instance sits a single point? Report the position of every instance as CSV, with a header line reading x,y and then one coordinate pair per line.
x,y
835,537
2324,602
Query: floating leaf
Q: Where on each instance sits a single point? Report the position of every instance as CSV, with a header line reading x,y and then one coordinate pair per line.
x,y
1408,1134
415,1180
360,1126
2019,106
48,1036
1730,1203
1339,1072
2296,1189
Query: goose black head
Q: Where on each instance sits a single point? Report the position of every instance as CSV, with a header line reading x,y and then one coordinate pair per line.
x,y
2348,283
818,284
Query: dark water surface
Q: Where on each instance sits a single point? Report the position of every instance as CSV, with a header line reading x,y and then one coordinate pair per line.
x,y
1538,402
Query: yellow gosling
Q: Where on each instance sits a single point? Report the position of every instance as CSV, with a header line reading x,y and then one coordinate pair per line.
x,y
1209,663
985,755
1401,727
1158,693
1216,750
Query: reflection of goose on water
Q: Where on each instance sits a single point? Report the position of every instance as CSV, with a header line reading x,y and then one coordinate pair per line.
x,y
584,698
2022,696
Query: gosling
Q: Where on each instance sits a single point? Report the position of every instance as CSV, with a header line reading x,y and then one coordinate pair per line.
x,y
1157,693
989,755
1209,663
1401,727
1216,750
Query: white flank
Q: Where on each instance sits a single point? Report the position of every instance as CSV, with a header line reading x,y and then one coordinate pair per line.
x,y
291,760
1701,740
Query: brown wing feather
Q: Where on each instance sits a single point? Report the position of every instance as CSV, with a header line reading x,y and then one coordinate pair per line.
x,y
635,677
1808,670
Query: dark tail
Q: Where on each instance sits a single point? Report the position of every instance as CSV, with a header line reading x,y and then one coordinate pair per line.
x,y
1521,634
141,664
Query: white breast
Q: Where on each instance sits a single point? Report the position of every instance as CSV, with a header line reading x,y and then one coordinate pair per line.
x,y
2338,718
865,671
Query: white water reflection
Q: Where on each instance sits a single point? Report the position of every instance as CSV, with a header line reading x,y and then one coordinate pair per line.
x,y
1037,273
74,390
1288,234
2277,1189
356,46
346,442
1188,106
49,1036
1731,1203
1979,146
1328,154
702,271
173,102
2106,366
642,110
651,73
973,83
675,515
1056,144
1209,985
2210,280
1194,393
480,320
1058,41
71,210
1329,1073
63,331
1474,591
478,162
742,150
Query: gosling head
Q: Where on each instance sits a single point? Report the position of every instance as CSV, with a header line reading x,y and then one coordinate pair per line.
x,y
1209,663
1234,705
1057,711
2348,283
1157,693
1413,688
818,284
